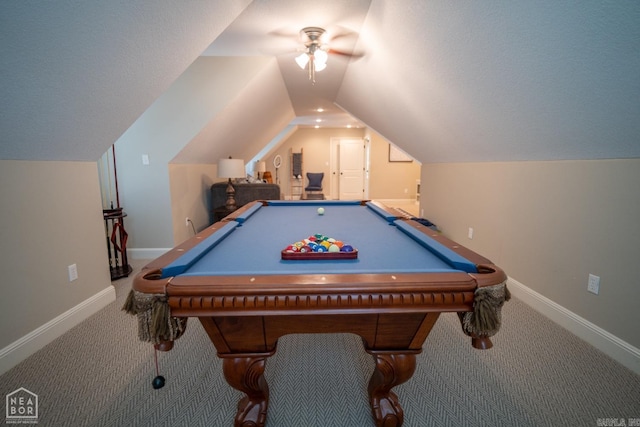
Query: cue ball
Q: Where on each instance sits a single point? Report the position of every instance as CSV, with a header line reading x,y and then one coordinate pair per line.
x,y
320,211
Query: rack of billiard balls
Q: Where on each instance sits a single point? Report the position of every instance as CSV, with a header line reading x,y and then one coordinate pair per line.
x,y
317,247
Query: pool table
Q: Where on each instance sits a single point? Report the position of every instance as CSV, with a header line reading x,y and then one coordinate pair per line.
x,y
232,277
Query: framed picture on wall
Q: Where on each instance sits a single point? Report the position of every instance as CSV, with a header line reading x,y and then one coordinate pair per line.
x,y
397,155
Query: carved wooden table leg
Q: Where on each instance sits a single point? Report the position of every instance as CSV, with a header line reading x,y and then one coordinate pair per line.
x,y
246,374
391,369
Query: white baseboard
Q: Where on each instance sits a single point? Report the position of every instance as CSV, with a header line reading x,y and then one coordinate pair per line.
x,y
146,253
19,350
612,346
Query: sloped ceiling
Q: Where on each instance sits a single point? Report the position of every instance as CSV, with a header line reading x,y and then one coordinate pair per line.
x,y
75,75
483,80
247,123
463,81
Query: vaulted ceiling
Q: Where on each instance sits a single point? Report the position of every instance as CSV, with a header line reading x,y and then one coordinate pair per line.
x,y
445,81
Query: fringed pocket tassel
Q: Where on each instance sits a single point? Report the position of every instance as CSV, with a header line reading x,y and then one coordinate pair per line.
x,y
485,319
160,318
129,306
155,323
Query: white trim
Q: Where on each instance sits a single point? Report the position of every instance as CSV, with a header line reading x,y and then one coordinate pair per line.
x,y
24,347
146,253
612,346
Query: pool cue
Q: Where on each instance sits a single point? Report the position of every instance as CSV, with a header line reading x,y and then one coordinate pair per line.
x,y
115,175
109,179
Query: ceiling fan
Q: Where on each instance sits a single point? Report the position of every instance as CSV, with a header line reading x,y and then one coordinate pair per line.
x,y
317,50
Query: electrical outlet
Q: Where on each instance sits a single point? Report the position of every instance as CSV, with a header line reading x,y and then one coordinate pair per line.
x,y
73,272
187,221
593,285
470,233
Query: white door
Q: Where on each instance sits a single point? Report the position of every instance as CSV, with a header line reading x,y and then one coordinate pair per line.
x,y
334,169
351,169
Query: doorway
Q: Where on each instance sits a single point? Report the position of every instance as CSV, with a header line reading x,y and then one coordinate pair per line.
x,y
347,169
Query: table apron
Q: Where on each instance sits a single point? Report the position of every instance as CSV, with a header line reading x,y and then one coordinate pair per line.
x,y
195,306
218,313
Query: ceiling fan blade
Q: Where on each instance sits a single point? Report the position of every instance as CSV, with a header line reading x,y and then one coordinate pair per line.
x,y
285,32
342,34
342,42
281,41
282,50
346,54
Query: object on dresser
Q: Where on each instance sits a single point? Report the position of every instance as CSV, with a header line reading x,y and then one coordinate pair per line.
x,y
245,193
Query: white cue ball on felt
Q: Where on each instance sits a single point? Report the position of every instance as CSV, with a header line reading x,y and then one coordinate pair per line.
x,y
320,211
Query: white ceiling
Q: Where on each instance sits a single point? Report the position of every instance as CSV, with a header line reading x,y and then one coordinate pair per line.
x,y
445,81
273,28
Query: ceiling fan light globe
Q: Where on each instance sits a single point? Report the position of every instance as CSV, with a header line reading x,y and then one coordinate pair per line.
x,y
319,66
302,60
320,57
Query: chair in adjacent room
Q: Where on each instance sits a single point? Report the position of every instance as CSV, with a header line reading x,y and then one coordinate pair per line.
x,y
313,191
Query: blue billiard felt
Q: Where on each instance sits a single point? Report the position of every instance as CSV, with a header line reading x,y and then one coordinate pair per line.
x,y
386,215
190,257
255,247
246,214
441,251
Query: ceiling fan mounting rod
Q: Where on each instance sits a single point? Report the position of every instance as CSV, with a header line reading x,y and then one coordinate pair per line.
x,y
311,35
